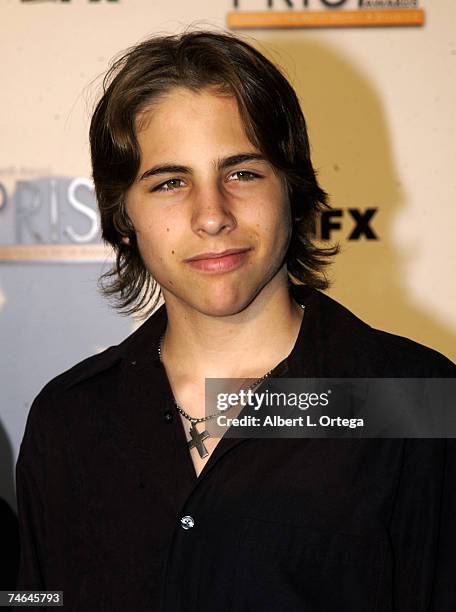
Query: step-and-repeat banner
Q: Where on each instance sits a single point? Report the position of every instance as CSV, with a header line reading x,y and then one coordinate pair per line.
x,y
376,79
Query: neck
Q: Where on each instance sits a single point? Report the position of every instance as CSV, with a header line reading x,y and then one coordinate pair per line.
x,y
200,346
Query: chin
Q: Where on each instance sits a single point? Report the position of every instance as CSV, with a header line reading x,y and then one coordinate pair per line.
x,y
221,309
222,312
226,305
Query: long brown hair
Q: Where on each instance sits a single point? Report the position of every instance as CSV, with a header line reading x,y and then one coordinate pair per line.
x,y
273,121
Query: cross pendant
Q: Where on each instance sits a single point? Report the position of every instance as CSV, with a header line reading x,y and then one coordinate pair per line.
x,y
197,440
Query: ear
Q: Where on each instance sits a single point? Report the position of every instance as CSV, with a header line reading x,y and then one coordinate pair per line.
x,y
125,239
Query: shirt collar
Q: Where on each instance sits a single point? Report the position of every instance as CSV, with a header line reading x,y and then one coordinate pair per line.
x,y
307,358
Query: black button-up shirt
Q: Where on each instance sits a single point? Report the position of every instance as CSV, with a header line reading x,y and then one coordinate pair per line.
x,y
111,510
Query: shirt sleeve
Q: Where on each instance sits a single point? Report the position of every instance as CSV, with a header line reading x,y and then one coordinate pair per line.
x,y
443,595
423,531
30,488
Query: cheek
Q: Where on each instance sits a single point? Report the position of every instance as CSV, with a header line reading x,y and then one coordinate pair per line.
x,y
277,222
157,242
285,217
151,246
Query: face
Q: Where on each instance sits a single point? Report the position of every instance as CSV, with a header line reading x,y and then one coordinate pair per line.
x,y
211,215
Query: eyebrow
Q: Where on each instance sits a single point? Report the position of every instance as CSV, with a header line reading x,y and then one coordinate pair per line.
x,y
221,164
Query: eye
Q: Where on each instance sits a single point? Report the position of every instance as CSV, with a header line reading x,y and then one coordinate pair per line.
x,y
243,175
169,185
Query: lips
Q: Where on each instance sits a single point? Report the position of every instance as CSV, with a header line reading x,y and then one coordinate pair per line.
x,y
216,255
224,261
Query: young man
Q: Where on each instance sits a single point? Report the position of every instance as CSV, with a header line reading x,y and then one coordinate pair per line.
x,y
205,186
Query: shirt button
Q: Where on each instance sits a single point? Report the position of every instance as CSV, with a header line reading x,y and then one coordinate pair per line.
x,y
187,522
168,416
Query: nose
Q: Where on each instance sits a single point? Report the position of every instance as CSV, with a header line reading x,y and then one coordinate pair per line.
x,y
212,213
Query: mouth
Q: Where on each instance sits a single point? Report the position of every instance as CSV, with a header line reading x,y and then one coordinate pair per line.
x,y
224,261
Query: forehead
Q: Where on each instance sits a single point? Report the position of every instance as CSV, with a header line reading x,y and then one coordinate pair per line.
x,y
185,120
179,99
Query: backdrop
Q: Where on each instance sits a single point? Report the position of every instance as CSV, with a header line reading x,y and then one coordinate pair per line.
x,y
379,102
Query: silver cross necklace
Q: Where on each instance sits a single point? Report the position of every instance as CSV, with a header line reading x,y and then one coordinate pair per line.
x,y
197,437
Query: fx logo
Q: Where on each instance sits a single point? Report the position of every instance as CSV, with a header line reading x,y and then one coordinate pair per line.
x,y
361,220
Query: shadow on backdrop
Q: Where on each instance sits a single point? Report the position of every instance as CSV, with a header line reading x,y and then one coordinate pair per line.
x,y
353,153
9,533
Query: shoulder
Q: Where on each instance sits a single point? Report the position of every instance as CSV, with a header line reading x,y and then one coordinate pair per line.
x,y
99,370
366,351
421,360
